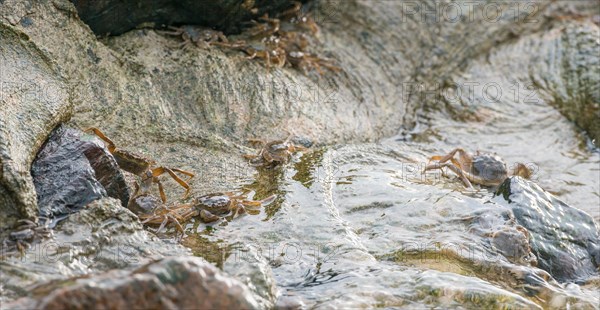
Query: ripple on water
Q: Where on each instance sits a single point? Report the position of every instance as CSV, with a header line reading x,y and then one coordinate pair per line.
x,y
390,237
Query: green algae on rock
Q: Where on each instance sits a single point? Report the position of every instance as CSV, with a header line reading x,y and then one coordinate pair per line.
x,y
33,99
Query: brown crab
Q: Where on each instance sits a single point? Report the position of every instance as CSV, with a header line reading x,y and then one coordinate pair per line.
x,y
296,16
269,51
210,208
143,167
482,168
268,27
196,35
307,62
273,153
22,237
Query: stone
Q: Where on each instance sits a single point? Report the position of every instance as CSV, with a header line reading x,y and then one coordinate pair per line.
x,y
115,17
33,100
564,239
170,283
71,170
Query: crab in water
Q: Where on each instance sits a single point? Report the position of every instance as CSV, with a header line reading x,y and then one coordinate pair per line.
x,y
196,35
210,208
482,168
143,167
273,153
22,237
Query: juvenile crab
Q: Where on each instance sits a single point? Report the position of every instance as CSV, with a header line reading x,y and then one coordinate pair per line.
x,y
273,153
143,167
307,62
268,27
22,237
295,16
210,208
200,36
269,51
481,168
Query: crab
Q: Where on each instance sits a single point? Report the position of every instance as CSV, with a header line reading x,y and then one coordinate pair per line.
x,y
270,51
143,167
210,208
22,237
307,62
200,36
513,243
295,16
482,168
268,27
273,153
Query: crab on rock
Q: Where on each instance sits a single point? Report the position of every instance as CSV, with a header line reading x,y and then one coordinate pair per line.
x,y
482,168
143,167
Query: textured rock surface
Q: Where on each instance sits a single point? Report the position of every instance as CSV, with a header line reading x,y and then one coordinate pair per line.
x,y
101,237
568,73
565,240
33,99
190,109
185,108
171,283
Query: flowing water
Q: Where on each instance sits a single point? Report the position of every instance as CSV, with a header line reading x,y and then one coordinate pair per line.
x,y
361,226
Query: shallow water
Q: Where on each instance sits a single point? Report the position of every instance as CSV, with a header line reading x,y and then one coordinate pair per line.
x,y
361,226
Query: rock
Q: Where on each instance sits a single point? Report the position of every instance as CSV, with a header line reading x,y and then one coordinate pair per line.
x,y
117,17
568,73
71,170
564,239
101,237
171,283
33,100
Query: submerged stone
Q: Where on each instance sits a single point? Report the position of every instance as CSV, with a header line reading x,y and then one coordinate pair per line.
x,y
171,283
70,171
564,239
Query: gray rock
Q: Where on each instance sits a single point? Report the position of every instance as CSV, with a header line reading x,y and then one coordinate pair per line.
x,y
33,99
101,237
567,73
73,169
171,283
564,239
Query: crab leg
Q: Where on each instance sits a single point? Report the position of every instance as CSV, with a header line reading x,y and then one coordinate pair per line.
x,y
464,177
450,156
161,170
161,190
101,135
190,174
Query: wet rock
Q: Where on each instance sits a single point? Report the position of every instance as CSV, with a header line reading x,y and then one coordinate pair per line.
x,y
564,239
115,17
71,170
33,99
171,283
101,237
568,73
